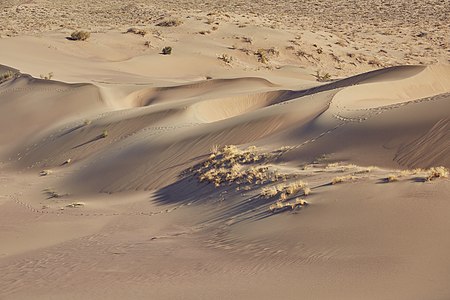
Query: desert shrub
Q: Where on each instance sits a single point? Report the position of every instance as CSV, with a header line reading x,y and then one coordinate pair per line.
x,y
166,50
281,206
53,194
285,190
322,77
7,76
269,192
437,172
226,58
391,178
246,39
104,134
341,179
262,56
229,164
170,23
47,77
80,35
137,31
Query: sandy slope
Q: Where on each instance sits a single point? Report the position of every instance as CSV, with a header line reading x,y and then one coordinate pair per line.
x,y
128,133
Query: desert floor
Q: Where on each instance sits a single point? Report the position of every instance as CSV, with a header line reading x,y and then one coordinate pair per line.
x,y
283,150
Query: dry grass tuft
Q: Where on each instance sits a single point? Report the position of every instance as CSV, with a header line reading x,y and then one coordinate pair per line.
x,y
226,58
281,206
264,54
436,172
46,77
261,54
269,192
104,134
229,165
391,178
322,77
7,76
341,179
286,190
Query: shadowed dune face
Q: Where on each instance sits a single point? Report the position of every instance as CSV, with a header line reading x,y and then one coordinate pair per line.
x,y
29,106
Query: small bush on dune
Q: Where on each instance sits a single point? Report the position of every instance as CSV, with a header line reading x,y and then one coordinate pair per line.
x,y
229,164
269,192
437,172
47,77
226,58
281,206
7,76
286,190
166,51
45,172
262,56
322,77
80,35
104,134
391,178
341,179
137,31
53,194
170,23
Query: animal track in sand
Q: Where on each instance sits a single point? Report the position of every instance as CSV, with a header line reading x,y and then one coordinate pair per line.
x,y
71,211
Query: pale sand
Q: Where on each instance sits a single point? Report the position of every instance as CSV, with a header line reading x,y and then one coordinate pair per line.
x,y
133,126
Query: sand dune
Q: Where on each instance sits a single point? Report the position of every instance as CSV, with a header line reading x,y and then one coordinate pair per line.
x,y
270,156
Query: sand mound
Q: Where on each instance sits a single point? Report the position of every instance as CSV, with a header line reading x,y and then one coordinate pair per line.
x,y
122,150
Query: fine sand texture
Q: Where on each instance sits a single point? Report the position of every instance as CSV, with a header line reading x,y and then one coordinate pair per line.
x,y
237,150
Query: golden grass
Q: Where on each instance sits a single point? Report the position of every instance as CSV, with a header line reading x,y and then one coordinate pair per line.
x,y
281,206
269,192
7,76
46,77
341,179
391,178
229,165
436,172
286,190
